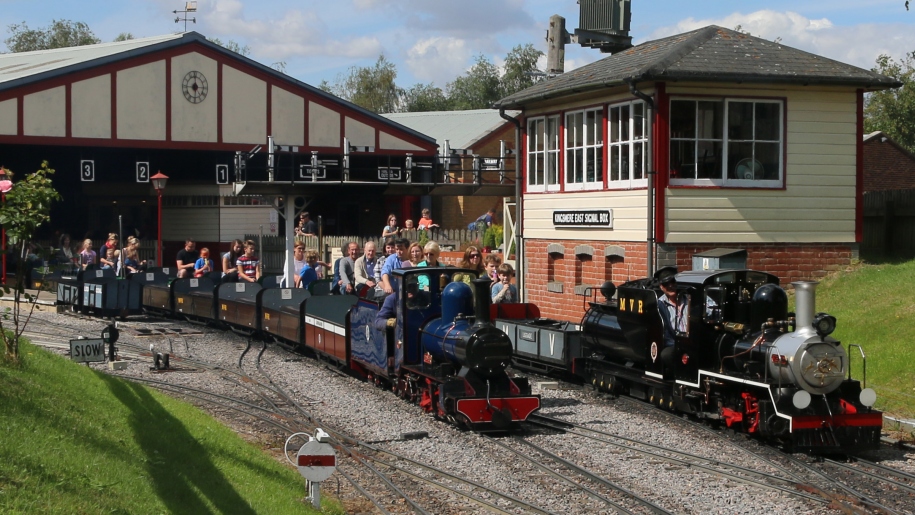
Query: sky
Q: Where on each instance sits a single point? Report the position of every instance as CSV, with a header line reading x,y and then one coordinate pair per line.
x,y
435,41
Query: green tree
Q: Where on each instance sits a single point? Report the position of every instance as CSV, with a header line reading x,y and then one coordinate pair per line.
x,y
479,88
424,97
893,111
27,207
61,34
124,36
371,87
521,70
234,46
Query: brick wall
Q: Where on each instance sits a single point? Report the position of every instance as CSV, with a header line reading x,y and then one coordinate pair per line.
x,y
887,166
557,272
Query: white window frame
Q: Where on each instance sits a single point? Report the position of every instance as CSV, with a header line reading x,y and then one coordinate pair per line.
x,y
723,178
592,148
550,153
631,142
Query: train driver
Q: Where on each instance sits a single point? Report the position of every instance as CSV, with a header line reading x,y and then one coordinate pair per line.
x,y
674,308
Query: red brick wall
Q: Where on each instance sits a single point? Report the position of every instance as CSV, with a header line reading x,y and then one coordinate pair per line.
x,y
789,261
887,167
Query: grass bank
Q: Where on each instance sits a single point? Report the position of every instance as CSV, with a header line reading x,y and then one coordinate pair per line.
x,y
73,440
874,307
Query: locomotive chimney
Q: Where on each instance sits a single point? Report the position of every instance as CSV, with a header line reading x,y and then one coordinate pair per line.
x,y
481,289
805,296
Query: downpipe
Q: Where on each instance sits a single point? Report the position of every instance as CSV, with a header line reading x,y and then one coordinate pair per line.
x,y
649,127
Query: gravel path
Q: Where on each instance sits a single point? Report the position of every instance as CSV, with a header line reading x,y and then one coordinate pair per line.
x,y
372,415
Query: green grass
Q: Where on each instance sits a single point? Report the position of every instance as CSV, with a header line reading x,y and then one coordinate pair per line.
x,y
73,440
875,307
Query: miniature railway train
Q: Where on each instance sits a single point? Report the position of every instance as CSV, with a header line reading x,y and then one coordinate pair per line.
x,y
741,359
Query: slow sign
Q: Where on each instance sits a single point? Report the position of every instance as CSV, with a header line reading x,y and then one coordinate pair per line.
x,y
89,350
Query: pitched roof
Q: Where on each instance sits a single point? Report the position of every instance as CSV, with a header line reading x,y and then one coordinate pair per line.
x,y
711,53
23,68
462,129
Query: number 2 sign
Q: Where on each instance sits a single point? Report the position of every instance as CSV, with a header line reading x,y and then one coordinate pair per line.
x,y
142,171
87,171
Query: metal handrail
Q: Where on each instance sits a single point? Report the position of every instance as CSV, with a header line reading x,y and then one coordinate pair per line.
x,y
863,364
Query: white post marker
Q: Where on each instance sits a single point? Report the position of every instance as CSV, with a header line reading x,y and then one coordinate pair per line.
x,y
316,461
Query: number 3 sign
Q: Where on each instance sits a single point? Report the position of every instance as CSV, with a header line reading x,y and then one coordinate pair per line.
x,y
87,171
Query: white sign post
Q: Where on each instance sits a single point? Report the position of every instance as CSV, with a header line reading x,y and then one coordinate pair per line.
x,y
316,461
87,350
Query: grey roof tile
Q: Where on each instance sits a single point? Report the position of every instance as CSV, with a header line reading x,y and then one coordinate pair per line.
x,y
708,54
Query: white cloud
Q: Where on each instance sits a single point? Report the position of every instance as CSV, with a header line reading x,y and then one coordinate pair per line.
x,y
438,60
293,33
858,45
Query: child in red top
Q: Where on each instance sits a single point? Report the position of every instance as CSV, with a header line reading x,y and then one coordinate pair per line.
x,y
426,221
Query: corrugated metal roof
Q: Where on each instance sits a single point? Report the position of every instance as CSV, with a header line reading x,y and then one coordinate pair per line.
x,y
461,128
21,65
708,54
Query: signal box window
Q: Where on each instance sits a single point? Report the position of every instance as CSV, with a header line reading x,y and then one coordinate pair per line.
x,y
543,154
727,142
628,145
584,150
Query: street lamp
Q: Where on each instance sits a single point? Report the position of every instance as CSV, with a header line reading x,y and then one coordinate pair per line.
x,y
159,181
5,185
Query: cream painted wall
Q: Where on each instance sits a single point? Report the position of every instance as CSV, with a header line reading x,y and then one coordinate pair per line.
x,y
389,142
175,225
45,113
141,102
288,117
9,116
194,122
629,215
323,126
90,108
818,203
244,108
358,133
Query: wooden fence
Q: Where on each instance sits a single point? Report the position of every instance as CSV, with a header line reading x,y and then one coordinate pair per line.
x,y
889,223
273,247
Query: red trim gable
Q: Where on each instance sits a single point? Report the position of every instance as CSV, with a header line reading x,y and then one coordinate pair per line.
x,y
222,59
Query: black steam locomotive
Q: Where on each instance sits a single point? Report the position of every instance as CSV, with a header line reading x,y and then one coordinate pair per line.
x,y
739,358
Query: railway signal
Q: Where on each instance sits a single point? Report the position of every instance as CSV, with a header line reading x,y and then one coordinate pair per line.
x,y
316,461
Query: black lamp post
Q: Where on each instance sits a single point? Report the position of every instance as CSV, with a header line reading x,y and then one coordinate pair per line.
x,y
159,181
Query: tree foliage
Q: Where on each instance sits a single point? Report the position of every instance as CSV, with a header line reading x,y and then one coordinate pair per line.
x,y
371,87
893,111
521,69
424,97
27,207
478,88
233,46
60,34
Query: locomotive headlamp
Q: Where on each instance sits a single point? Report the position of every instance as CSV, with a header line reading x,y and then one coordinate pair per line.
x,y
801,399
868,397
824,324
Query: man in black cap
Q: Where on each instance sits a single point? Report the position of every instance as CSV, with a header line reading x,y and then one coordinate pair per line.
x,y
674,310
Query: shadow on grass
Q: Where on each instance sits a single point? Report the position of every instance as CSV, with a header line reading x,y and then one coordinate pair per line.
x,y
181,468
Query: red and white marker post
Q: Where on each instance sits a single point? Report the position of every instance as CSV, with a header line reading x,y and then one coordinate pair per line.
x,y
316,461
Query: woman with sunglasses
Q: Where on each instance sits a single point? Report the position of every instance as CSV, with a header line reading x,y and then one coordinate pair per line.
x,y
473,259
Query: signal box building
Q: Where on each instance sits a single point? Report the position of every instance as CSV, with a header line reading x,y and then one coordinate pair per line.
x,y
231,134
681,146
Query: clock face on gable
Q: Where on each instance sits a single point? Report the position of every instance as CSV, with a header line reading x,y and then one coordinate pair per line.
x,y
194,87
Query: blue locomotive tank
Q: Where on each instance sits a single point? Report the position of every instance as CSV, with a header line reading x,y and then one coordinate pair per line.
x,y
467,342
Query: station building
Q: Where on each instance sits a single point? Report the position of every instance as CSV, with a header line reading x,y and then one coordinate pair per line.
x,y
676,147
106,117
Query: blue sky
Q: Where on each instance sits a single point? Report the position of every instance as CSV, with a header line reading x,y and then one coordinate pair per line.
x,y
437,40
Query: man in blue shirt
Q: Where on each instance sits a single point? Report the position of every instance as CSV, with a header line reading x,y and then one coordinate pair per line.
x,y
393,262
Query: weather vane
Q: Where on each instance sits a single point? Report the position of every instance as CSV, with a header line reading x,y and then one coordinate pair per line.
x,y
189,7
